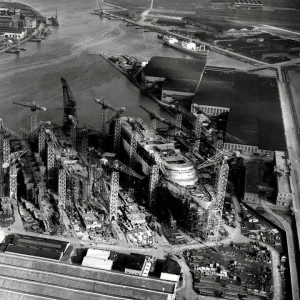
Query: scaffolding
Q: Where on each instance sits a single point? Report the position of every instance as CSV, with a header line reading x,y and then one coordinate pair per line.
x,y
215,211
153,184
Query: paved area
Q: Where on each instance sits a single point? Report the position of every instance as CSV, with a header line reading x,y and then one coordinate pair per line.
x,y
291,252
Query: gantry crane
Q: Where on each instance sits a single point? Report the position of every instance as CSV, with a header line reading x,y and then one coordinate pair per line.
x,y
33,107
105,107
117,130
116,167
11,164
69,105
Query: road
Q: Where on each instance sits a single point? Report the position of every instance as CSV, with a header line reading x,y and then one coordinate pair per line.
x,y
160,29
291,251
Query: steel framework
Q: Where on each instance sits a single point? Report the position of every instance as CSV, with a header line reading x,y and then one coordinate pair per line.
x,y
50,159
117,135
114,194
69,105
153,184
6,149
216,210
42,142
13,181
198,129
62,187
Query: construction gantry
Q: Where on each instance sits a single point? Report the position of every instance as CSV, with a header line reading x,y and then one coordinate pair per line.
x,y
114,193
153,184
62,186
214,218
50,159
198,129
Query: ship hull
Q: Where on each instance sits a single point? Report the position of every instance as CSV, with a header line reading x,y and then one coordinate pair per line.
x,y
174,189
192,52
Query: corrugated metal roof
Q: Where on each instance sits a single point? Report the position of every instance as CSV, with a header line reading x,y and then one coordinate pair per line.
x,y
175,68
188,86
63,281
33,252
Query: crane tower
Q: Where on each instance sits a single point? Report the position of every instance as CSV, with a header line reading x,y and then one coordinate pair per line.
x,y
69,105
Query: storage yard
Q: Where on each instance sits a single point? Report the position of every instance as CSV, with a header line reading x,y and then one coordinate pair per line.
x,y
233,271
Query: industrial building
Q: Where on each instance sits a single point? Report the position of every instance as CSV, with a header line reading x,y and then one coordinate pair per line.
x,y
98,259
31,278
248,4
246,98
25,245
178,78
13,33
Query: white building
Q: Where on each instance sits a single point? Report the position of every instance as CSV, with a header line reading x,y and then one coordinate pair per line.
x,y
13,33
98,259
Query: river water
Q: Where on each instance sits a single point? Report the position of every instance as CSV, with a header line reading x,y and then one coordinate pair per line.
x,y
72,51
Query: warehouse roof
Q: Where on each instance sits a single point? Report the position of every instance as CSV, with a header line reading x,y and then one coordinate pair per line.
x,y
188,86
33,252
31,276
255,113
252,177
40,243
175,68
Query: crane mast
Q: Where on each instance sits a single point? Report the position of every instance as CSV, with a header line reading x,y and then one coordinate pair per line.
x,y
105,108
69,105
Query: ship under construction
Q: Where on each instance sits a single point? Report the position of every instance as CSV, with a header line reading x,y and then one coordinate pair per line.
x,y
61,173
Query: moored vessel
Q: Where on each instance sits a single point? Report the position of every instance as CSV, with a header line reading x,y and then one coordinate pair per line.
x,y
188,47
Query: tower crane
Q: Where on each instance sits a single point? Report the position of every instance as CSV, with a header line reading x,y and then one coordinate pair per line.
x,y
116,166
117,133
13,157
33,107
69,105
105,107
